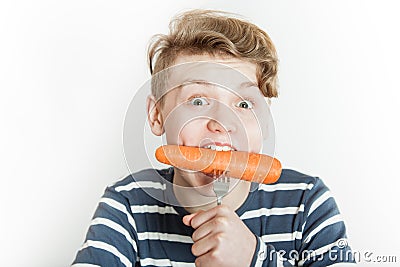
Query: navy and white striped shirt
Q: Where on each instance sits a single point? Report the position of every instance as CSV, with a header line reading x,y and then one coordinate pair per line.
x,y
296,220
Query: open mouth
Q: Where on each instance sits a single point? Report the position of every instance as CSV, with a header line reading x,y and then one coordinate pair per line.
x,y
219,147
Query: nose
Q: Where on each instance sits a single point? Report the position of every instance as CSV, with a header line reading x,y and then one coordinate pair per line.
x,y
222,118
216,127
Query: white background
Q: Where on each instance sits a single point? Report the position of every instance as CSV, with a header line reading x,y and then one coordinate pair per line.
x,y
68,71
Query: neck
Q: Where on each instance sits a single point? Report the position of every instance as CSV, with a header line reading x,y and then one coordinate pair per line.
x,y
194,199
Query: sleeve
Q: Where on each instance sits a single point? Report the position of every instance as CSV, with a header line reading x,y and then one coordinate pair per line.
x,y
323,236
111,239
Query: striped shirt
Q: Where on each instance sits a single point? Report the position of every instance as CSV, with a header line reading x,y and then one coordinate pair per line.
x,y
138,222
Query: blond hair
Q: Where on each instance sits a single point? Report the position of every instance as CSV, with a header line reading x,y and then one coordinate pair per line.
x,y
215,33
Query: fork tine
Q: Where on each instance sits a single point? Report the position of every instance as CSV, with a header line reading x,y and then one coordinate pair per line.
x,y
225,176
221,184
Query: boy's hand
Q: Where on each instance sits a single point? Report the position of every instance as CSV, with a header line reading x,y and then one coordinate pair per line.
x,y
220,238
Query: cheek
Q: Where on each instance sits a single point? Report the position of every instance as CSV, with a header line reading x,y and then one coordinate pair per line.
x,y
188,134
254,135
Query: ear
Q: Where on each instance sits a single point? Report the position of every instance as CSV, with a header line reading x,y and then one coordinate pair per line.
x,y
154,116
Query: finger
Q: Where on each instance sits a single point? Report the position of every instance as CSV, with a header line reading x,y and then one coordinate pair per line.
x,y
188,218
207,244
215,225
202,217
212,258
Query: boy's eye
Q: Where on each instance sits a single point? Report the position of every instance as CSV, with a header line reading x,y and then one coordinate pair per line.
x,y
245,104
198,101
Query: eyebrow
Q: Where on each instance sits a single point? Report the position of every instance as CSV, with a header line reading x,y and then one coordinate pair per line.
x,y
248,84
189,82
204,82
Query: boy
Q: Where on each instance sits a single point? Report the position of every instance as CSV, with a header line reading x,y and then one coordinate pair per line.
x,y
212,77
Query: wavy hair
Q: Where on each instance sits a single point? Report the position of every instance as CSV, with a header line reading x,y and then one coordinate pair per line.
x,y
216,33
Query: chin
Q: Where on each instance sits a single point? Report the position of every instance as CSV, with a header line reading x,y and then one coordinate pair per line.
x,y
201,183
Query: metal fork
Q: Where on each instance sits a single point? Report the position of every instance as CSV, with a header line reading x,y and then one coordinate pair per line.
x,y
221,185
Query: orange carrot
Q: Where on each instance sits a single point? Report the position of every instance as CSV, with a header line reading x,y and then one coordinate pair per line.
x,y
238,164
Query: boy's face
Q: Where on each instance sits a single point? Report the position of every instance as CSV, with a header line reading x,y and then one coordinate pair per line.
x,y
217,106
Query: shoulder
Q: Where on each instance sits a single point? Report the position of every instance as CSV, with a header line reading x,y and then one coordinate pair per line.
x,y
313,183
293,176
293,188
312,191
292,180
146,175
147,186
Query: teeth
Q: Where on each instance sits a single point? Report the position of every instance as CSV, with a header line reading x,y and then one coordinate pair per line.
x,y
219,148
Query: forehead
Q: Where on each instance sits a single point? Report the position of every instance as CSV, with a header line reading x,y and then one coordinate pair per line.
x,y
242,67
225,72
